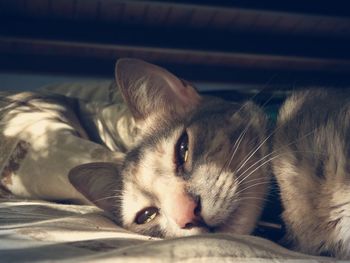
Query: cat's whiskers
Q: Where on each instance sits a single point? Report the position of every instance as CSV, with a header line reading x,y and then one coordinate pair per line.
x,y
258,167
117,191
259,179
251,183
239,140
253,151
242,194
233,194
250,198
263,179
272,158
256,94
250,154
108,197
234,149
283,153
253,165
251,186
227,164
266,85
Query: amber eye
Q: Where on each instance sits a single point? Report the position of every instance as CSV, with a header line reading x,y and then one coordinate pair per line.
x,y
181,149
146,215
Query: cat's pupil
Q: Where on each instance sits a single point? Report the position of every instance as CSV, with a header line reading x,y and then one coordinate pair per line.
x,y
181,151
146,215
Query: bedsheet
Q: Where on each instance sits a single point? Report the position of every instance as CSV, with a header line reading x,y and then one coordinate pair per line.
x,y
38,231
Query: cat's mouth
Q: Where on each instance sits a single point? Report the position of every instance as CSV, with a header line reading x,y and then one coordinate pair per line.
x,y
200,223
215,218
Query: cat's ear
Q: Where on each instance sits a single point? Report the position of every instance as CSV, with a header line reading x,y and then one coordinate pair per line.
x,y
99,182
149,89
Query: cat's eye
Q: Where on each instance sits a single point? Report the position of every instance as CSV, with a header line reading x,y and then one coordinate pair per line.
x,y
146,215
181,149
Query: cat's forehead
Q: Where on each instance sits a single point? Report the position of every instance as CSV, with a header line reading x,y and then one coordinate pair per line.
x,y
205,128
153,156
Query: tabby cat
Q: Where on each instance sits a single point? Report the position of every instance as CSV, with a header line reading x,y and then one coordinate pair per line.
x,y
188,164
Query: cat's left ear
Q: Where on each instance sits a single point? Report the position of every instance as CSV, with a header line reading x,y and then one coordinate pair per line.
x,y
148,90
98,182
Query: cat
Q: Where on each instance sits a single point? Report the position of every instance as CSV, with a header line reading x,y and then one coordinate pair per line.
x,y
311,149
189,164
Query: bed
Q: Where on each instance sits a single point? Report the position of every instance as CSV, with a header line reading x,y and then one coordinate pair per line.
x,y
37,231
238,48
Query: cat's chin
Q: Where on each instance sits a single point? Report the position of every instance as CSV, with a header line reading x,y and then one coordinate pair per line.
x,y
190,232
242,222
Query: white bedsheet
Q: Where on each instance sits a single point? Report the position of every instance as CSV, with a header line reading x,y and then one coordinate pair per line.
x,y
36,231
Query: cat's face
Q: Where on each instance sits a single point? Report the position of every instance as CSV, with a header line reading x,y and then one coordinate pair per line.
x,y
199,166
185,179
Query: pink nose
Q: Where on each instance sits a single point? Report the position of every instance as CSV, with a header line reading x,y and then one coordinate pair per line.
x,y
185,211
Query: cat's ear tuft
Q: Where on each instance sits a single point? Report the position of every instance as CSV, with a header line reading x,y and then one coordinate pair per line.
x,y
149,89
98,182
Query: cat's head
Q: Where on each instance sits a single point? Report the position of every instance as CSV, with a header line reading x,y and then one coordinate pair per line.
x,y
200,166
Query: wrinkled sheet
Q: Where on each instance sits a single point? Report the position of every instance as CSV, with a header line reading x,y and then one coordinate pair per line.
x,y
37,231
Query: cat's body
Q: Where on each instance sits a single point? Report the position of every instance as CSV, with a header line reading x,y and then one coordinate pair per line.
x,y
171,163
312,145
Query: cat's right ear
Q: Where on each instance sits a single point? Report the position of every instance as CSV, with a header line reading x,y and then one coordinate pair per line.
x,y
100,183
150,90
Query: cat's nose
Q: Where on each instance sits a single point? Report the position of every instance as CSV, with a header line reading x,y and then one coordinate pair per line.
x,y
188,215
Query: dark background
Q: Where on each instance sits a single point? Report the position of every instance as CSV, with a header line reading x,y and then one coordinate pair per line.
x,y
242,45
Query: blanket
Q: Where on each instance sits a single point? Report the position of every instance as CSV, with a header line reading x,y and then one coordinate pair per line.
x,y
38,231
